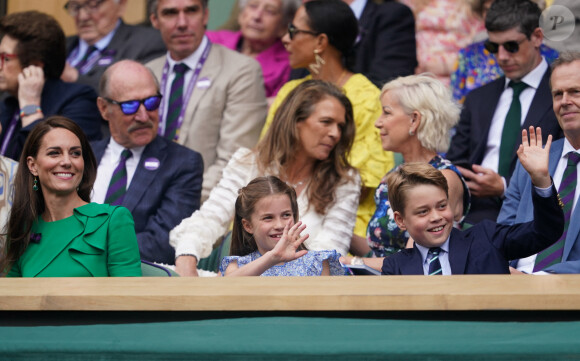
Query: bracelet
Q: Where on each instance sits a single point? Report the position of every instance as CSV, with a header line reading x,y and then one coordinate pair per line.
x,y
357,261
30,110
188,254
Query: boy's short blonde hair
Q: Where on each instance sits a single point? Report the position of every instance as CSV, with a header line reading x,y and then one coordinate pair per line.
x,y
407,177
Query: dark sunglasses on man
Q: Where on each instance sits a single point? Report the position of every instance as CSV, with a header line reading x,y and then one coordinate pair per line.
x,y
509,46
130,107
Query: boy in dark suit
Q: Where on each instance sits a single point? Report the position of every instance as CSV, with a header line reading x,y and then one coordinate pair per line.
x,y
418,196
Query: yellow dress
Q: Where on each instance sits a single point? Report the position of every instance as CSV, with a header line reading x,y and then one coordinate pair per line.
x,y
367,154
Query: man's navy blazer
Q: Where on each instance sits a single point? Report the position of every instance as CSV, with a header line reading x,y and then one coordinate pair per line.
x,y
75,101
518,207
386,48
470,140
159,197
487,247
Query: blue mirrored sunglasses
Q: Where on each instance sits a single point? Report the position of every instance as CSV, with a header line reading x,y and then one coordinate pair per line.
x,y
130,107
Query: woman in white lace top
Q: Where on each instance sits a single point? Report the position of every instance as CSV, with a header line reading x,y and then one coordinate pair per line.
x,y
307,147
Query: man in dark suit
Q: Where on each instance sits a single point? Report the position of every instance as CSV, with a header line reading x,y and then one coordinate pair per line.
x,y
517,206
31,61
420,207
386,45
162,179
99,25
489,129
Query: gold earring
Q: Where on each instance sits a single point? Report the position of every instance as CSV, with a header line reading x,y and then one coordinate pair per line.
x,y
319,62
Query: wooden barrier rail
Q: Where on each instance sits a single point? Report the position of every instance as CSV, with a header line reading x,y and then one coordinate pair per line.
x,y
370,293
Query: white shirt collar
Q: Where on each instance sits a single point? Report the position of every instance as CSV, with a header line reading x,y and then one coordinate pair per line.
x,y
117,148
567,148
192,60
101,44
534,77
423,250
357,7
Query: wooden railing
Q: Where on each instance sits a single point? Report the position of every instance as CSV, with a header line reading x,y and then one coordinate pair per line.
x,y
371,293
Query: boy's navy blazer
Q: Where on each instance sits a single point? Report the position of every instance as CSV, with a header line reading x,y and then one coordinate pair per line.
x,y
487,247
160,198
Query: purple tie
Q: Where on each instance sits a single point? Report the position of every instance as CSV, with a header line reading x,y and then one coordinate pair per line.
x,y
86,57
118,184
567,189
175,101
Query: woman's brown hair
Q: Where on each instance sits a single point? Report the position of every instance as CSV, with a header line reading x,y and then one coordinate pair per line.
x,y
276,150
29,204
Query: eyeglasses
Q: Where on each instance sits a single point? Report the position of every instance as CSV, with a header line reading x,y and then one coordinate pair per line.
x,y
130,107
509,46
293,30
4,56
90,6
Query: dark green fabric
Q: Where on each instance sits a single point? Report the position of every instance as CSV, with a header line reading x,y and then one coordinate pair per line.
x,y
212,262
149,270
282,338
511,133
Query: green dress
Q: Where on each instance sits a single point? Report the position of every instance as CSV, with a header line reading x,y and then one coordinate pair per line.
x,y
98,240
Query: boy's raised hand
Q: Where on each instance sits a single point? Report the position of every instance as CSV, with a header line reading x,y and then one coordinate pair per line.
x,y
285,249
534,158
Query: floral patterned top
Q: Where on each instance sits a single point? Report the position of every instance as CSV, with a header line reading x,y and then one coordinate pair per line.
x,y
308,265
476,67
383,235
442,28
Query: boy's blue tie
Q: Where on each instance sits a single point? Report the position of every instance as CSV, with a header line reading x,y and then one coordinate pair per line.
x,y
434,264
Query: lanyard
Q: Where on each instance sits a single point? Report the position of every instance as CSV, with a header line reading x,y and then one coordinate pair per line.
x,y
8,134
189,91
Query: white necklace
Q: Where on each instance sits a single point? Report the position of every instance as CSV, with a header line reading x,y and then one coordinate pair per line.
x,y
296,185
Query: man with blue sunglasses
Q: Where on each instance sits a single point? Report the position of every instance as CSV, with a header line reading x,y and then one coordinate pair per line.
x,y
493,116
158,180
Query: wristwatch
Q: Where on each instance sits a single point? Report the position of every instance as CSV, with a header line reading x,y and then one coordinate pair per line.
x,y
29,110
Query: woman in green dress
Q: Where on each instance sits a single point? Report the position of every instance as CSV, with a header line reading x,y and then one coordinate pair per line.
x,y
53,229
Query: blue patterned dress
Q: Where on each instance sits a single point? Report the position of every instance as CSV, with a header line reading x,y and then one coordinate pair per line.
x,y
308,265
383,235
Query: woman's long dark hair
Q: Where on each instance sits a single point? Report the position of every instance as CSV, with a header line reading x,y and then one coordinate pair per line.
x,y
335,19
29,204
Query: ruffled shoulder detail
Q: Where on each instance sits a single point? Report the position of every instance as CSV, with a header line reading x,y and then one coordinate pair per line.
x,y
92,217
92,240
315,258
240,260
